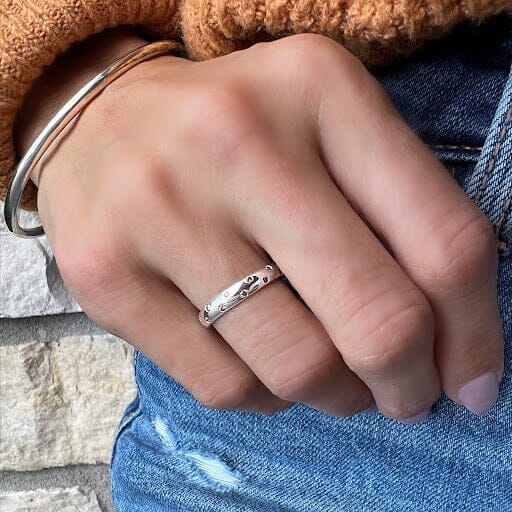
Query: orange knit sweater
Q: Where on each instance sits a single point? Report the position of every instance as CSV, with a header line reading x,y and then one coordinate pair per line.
x,y
34,32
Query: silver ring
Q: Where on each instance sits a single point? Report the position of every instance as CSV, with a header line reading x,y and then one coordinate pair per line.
x,y
232,296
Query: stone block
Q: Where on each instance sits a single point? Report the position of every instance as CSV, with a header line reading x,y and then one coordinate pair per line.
x,y
50,500
60,402
30,281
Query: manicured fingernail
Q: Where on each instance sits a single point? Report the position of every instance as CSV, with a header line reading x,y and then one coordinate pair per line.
x,y
418,418
479,395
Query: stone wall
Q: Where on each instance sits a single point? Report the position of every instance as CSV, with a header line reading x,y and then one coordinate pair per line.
x,y
64,384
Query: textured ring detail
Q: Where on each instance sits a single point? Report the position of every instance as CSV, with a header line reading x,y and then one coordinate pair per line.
x,y
238,292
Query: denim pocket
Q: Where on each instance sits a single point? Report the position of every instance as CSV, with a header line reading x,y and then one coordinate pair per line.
x,y
459,161
485,173
491,184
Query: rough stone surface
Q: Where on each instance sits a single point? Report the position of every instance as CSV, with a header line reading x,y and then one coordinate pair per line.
x,y
46,500
61,401
92,476
14,331
30,281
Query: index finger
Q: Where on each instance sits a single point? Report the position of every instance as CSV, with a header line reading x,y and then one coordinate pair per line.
x,y
439,237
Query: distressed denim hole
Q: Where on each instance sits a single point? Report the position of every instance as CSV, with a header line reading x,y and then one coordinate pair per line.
x,y
205,469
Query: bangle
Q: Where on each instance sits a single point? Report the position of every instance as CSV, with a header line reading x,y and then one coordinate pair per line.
x,y
61,119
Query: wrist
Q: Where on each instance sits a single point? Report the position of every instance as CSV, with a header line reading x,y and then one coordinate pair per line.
x,y
64,77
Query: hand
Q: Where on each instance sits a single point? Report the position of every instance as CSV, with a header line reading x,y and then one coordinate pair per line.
x,y
183,177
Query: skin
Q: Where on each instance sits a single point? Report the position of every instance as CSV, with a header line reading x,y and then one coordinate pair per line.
x,y
182,177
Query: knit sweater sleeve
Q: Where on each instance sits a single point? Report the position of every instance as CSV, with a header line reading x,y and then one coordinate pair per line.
x,y
34,32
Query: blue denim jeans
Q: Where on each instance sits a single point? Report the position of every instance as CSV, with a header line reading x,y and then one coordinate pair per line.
x,y
173,454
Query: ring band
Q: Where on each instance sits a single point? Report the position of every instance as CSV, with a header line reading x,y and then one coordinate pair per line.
x,y
238,292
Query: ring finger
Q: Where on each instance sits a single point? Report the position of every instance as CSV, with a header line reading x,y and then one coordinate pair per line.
x,y
277,336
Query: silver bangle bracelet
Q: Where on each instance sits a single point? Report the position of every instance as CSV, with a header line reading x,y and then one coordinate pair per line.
x,y
61,119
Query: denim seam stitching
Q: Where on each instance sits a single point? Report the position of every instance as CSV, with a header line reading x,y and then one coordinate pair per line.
x,y
503,246
508,199
447,146
495,154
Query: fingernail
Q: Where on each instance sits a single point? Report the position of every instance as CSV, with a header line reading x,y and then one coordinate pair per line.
x,y
479,395
418,418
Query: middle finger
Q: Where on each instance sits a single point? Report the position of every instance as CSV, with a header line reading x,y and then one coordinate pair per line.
x,y
379,320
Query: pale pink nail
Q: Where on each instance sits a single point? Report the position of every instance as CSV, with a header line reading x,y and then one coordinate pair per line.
x,y
479,395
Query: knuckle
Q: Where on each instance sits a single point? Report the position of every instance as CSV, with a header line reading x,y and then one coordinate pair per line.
x,y
309,49
318,57
84,270
92,271
399,336
294,379
220,118
231,393
465,249
307,44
